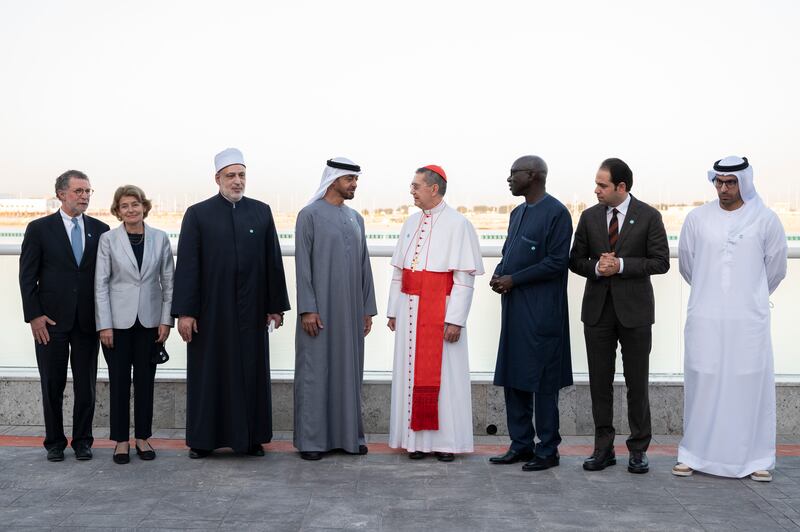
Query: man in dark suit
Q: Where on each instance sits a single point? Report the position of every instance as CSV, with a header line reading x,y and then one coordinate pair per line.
x,y
618,245
56,278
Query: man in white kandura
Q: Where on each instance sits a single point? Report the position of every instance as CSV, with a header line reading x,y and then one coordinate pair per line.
x,y
435,263
733,254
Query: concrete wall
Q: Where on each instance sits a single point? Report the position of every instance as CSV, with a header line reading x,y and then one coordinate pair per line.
x,y
20,404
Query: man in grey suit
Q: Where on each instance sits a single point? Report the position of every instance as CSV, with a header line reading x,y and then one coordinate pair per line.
x,y
618,245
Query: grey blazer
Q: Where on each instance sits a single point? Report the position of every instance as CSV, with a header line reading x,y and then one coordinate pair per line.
x,y
122,292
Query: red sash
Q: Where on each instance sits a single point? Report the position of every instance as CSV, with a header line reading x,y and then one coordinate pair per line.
x,y
432,289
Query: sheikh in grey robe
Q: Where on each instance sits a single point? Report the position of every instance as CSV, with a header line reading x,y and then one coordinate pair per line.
x,y
334,279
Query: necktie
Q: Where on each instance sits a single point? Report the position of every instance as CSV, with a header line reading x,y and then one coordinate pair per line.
x,y
613,229
77,242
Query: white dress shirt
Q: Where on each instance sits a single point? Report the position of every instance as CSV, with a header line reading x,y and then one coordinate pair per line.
x,y
68,226
622,210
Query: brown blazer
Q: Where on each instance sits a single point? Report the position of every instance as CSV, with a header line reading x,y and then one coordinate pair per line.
x,y
644,249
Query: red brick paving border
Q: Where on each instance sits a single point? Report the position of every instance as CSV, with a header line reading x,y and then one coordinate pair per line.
x,y
382,448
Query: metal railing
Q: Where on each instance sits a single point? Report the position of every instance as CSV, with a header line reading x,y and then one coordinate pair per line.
x,y
17,353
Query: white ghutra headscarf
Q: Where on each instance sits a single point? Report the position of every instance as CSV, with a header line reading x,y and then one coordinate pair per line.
x,y
739,167
753,206
334,169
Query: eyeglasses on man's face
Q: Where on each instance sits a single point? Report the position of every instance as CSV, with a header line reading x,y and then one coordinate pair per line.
x,y
729,183
82,191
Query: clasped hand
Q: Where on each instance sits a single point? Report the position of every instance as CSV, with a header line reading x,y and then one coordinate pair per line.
x,y
608,264
501,284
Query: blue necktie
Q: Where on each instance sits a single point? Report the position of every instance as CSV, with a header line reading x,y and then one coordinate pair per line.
x,y
77,241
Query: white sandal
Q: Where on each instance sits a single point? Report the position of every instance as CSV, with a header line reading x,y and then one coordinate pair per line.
x,y
761,476
682,470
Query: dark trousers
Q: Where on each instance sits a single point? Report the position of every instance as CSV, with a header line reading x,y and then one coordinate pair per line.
x,y
521,406
79,349
132,347
601,349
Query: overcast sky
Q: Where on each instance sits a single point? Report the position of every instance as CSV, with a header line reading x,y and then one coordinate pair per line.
x,y
147,92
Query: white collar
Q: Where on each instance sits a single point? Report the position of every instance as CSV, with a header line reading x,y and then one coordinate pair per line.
x,y
622,207
67,218
436,210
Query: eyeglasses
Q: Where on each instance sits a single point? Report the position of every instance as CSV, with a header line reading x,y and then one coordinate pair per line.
x,y
730,183
82,191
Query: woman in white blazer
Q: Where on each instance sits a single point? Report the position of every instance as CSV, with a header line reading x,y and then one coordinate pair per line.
x,y
133,296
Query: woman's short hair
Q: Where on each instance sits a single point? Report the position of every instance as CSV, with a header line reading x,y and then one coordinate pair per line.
x,y
134,191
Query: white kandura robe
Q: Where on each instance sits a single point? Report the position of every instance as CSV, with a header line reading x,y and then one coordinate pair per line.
x,y
733,261
446,242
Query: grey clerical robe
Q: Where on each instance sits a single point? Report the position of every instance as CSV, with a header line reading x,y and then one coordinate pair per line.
x,y
334,279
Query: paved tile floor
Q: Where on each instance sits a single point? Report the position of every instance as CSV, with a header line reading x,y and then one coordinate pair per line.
x,y
383,490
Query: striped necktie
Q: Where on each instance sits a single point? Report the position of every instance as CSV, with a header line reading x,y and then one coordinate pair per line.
x,y
76,241
613,230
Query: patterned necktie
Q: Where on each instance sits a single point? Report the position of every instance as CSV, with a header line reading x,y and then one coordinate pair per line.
x,y
77,242
613,230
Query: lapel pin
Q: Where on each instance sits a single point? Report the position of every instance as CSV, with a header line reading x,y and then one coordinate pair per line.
x,y
533,248
630,222
251,230
89,235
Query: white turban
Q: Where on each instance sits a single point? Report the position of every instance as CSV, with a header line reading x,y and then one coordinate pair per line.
x,y
227,157
740,167
334,169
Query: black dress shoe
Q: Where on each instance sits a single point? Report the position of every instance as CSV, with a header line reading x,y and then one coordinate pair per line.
x,y
256,450
121,458
198,453
600,460
540,464
512,457
149,454
445,457
417,455
638,462
311,455
55,455
363,449
83,452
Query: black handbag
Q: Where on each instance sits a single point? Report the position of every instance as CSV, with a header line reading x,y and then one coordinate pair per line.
x,y
160,354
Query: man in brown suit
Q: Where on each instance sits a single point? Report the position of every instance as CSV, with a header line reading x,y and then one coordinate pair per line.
x,y
618,245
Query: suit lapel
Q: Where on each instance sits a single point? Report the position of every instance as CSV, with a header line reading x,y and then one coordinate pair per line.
x,y
62,236
90,238
147,254
630,220
601,220
124,242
